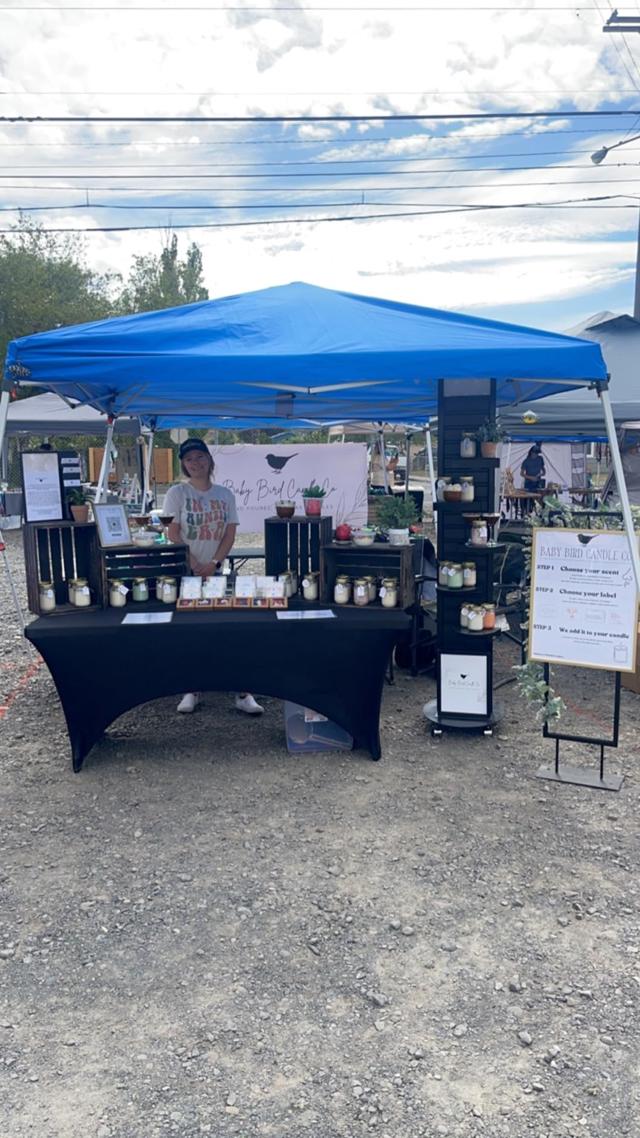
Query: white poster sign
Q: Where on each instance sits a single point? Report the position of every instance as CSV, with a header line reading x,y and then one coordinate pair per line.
x,y
42,486
463,684
584,603
260,476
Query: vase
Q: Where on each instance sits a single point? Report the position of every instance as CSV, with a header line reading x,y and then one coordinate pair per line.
x,y
489,450
80,513
312,507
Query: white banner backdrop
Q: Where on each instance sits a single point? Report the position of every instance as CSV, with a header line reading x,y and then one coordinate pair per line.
x,y
260,476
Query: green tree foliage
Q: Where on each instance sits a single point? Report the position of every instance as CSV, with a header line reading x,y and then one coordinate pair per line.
x,y
45,282
164,281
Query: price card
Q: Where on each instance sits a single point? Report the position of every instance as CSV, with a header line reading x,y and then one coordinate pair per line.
x,y
191,588
246,586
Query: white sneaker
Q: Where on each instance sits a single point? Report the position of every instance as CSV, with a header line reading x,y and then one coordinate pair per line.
x,y
189,702
248,704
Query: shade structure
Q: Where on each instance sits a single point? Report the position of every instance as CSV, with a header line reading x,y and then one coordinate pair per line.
x,y
48,414
295,352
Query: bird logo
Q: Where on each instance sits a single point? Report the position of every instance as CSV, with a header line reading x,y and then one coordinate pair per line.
x,y
585,538
279,461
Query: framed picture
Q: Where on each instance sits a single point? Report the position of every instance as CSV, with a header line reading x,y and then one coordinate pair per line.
x,y
112,524
42,486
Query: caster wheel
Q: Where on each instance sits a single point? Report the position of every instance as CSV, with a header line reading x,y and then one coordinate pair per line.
x,y
436,732
488,731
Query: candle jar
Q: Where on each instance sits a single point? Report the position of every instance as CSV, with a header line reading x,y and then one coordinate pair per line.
x,y
342,590
46,596
79,593
464,616
469,574
169,592
489,618
443,574
140,590
479,533
441,484
360,591
456,577
310,587
475,619
468,488
468,445
389,592
117,594
287,582
372,588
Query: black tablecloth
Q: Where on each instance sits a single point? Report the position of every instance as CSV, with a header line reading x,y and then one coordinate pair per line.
x,y
103,668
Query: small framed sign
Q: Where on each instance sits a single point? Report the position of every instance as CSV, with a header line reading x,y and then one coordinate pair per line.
x,y
112,524
42,486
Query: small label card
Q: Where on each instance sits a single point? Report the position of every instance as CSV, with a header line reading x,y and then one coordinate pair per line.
x,y
214,587
246,586
264,586
191,588
147,618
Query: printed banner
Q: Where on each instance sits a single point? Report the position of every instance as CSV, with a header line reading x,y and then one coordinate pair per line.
x,y
260,476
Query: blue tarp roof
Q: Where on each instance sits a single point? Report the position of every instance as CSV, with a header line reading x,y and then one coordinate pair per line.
x,y
293,352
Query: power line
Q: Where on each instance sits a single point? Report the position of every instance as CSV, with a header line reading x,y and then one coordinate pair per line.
x,y
449,116
59,171
583,203
634,90
297,9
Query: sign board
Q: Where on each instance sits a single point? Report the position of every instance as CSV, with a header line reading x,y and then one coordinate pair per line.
x,y
584,603
42,486
463,684
260,476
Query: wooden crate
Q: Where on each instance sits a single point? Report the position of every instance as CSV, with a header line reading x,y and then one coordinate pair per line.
x,y
58,552
127,562
377,560
295,543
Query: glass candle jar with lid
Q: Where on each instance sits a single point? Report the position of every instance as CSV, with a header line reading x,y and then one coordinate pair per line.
x,y
489,617
468,445
46,596
360,591
342,590
469,574
117,594
467,487
464,616
389,592
441,485
79,593
140,591
479,533
475,619
372,588
456,576
168,594
310,584
443,574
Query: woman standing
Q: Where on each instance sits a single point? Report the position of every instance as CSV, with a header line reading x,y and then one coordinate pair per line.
x,y
205,518
533,470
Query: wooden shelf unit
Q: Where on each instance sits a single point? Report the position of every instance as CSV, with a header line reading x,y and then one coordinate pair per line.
x,y
293,544
378,560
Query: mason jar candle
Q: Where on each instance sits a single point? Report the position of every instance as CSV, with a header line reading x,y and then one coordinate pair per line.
x,y
469,574
169,593
389,592
441,486
46,596
372,588
310,587
489,617
464,616
79,592
443,574
468,445
456,577
475,619
479,532
117,594
140,591
360,591
468,488
342,590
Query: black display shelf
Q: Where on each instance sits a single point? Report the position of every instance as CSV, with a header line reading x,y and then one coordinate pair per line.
x,y
480,632
488,548
462,589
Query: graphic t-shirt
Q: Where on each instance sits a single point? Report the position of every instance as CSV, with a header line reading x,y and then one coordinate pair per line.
x,y
203,516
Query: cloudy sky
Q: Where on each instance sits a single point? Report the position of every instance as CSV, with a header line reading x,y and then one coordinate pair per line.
x,y
252,193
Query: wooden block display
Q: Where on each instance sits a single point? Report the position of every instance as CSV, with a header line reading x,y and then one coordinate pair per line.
x,y
58,552
294,544
127,562
377,560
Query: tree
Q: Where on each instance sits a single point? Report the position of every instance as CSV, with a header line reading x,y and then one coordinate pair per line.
x,y
164,281
44,283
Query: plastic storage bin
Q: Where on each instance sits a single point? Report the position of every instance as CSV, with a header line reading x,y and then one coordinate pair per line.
x,y
308,731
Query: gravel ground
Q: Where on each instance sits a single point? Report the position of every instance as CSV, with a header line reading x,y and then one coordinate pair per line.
x,y
201,934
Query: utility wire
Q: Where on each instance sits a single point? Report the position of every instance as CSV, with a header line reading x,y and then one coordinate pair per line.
x,y
59,171
448,116
282,141
328,189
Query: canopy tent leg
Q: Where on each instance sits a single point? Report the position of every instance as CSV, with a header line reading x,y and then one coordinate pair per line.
x,y
101,489
620,481
432,474
407,442
148,458
4,411
383,458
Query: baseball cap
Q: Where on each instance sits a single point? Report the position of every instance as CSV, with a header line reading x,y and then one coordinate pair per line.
x,y
193,444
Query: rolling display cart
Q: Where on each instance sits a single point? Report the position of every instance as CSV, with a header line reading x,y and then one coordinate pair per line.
x,y
464,658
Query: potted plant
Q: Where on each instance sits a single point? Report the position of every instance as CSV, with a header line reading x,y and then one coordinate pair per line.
x,y
395,514
489,435
79,505
312,496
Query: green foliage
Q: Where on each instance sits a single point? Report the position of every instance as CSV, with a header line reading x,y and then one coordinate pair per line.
x,y
394,512
45,283
532,685
77,497
490,432
164,281
313,491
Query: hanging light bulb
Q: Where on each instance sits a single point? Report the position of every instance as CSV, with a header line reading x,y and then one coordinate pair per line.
x,y
529,417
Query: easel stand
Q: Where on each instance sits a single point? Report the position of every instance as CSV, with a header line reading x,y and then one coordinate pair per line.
x,y
584,776
3,551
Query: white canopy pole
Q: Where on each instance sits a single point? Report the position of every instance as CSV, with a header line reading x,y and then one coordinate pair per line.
x,y
101,490
620,482
408,435
432,474
383,458
4,411
148,457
